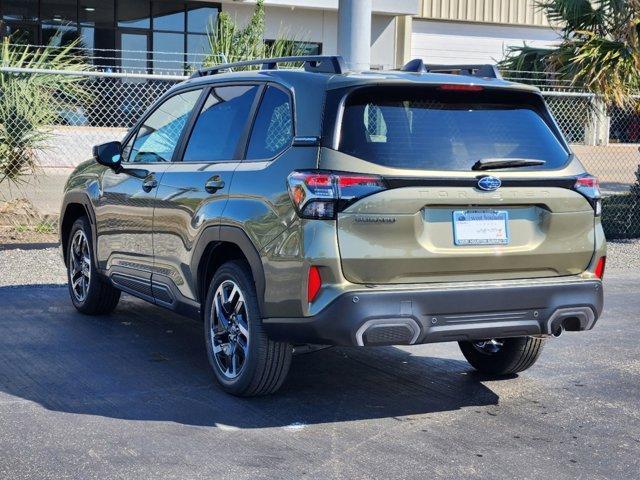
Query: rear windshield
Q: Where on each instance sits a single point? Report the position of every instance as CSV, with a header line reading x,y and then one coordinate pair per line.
x,y
444,130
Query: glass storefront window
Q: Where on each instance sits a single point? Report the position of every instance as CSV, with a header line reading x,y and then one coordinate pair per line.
x,y
58,35
97,12
197,49
305,48
63,12
199,18
21,34
134,14
106,26
20,10
168,53
134,56
98,45
168,16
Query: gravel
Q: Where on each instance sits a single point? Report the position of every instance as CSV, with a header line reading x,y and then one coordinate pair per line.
x,y
623,255
35,266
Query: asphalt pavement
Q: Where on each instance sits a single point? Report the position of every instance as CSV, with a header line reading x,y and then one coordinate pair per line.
x,y
130,396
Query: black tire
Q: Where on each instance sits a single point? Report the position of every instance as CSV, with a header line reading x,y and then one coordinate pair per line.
x,y
513,356
265,363
100,297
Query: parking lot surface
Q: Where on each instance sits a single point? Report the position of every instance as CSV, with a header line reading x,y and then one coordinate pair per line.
x,y
130,396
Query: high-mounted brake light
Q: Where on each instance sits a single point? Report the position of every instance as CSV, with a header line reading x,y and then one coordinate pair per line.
x,y
599,271
589,186
320,195
460,88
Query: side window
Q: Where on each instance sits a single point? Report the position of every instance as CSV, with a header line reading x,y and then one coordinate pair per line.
x,y
220,124
159,134
273,128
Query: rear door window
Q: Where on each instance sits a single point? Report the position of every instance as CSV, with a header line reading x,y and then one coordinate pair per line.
x,y
423,128
220,124
273,129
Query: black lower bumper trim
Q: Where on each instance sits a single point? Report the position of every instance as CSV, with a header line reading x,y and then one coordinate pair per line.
x,y
393,317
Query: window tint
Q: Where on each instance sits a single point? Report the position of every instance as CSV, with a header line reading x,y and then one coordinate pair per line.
x,y
220,124
437,130
159,134
273,128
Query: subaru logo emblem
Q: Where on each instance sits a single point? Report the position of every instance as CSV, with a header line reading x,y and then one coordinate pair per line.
x,y
489,183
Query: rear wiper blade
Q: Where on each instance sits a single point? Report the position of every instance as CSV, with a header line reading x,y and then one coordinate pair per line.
x,y
494,163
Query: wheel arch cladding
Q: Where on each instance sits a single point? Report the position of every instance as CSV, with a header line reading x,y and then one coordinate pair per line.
x,y
71,212
218,245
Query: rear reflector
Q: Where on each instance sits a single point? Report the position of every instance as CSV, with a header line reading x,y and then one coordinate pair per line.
x,y
314,283
600,267
460,88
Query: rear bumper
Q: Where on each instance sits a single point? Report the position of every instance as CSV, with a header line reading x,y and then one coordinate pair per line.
x,y
450,313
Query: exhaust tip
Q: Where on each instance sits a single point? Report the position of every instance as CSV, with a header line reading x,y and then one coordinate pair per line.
x,y
557,331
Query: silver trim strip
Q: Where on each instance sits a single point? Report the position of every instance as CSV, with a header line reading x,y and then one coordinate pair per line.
x,y
388,322
586,316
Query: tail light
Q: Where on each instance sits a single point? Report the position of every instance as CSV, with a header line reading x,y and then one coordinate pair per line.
x,y
599,271
589,186
314,283
321,195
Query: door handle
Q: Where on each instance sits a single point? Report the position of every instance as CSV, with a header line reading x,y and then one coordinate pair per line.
x,y
214,184
149,183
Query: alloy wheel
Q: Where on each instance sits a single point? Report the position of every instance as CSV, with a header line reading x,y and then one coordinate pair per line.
x,y
229,329
80,266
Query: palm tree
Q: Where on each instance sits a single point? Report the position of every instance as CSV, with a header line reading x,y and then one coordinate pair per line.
x,y
599,49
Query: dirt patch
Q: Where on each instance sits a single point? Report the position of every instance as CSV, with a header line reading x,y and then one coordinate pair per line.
x,y
12,236
20,222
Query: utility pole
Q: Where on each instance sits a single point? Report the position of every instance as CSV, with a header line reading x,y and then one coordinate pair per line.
x,y
354,33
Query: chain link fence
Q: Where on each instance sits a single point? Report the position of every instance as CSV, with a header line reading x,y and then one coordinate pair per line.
x,y
606,140
36,159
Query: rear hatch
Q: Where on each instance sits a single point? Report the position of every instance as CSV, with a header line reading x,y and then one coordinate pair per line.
x,y
449,211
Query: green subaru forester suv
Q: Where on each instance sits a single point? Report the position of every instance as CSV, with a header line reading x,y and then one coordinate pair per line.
x,y
320,206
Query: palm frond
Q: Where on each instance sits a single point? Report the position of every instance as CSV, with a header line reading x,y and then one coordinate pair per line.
x,y
29,103
572,14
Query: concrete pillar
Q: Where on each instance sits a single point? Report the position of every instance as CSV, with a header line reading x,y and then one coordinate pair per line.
x,y
354,33
403,40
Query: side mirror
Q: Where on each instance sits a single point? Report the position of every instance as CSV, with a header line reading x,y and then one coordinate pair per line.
x,y
109,154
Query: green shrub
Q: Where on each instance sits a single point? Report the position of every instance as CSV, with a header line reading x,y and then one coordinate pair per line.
x,y
231,42
621,216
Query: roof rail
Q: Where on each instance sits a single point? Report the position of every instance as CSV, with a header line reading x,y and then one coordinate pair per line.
x,y
474,70
312,63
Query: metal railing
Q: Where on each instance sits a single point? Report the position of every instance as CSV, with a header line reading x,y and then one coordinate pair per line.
x,y
36,159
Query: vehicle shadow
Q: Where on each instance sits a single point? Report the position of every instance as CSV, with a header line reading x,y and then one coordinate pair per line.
x,y
145,363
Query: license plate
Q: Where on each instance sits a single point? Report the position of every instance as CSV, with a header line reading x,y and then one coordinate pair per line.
x,y
480,227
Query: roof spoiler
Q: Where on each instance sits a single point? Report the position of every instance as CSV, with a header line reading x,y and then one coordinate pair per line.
x,y
473,70
311,63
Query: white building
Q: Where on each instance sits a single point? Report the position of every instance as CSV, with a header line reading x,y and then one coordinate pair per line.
x,y
477,31
163,35
317,22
